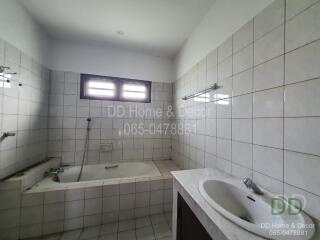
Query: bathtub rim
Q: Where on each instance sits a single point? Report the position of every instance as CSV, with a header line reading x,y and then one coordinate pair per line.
x,y
164,175
106,179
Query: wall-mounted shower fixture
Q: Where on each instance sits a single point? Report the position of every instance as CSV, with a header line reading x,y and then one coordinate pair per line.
x,y
3,68
7,134
4,74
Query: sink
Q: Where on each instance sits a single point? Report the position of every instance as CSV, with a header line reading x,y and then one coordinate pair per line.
x,y
253,212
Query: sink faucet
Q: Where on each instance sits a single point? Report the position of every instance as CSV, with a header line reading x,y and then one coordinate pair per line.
x,y
251,185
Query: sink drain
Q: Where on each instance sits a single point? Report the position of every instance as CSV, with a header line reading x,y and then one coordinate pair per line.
x,y
245,218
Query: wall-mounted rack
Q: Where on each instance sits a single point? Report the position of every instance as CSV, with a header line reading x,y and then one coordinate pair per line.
x,y
209,89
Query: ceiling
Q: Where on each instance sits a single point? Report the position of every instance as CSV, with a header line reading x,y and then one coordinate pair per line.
x,y
158,27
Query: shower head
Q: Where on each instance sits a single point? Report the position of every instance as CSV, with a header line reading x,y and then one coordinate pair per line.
x,y
89,119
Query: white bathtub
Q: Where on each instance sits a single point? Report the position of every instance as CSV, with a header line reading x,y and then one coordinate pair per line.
x,y
102,194
100,172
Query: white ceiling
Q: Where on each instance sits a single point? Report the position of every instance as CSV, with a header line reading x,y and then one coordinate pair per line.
x,y
158,27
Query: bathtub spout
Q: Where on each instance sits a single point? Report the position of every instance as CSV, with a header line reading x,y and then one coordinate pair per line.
x,y
111,166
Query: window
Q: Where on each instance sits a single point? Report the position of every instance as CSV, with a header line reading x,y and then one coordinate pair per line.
x,y
116,89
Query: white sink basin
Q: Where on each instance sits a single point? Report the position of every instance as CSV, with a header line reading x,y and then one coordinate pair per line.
x,y
254,212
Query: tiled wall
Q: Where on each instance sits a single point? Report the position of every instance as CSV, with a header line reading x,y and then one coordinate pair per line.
x,y
67,124
23,110
264,122
31,214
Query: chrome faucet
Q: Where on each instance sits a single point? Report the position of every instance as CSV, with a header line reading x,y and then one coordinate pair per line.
x,y
251,185
54,172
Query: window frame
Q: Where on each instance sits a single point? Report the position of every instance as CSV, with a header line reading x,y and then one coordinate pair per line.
x,y
119,82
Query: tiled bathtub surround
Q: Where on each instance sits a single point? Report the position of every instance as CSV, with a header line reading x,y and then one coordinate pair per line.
x,y
67,124
154,227
23,110
44,210
264,121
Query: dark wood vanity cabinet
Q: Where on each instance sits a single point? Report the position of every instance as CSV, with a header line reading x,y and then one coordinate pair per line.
x,y
188,225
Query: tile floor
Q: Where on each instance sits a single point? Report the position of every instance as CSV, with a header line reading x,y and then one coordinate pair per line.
x,y
156,227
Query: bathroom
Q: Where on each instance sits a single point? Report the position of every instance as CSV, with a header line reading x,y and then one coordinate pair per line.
x,y
142,120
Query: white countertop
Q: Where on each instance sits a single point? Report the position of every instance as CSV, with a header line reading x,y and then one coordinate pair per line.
x,y
189,180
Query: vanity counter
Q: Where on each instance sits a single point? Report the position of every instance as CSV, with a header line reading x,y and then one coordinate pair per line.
x,y
186,183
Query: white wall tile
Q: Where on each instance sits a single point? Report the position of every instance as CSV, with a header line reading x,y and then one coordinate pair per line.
x,y
224,128
243,37
271,17
242,83
9,218
268,132
302,99
309,200
224,165
268,103
294,7
302,170
243,60
302,64
53,212
269,74
224,148
92,206
301,135
127,201
142,199
242,106
268,183
242,130
32,199
53,197
74,209
31,215
225,69
242,154
211,125
225,50
303,28
212,59
268,161
226,89
111,204
211,145
240,172
224,108
269,46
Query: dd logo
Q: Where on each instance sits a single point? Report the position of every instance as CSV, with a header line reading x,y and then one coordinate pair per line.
x,y
293,206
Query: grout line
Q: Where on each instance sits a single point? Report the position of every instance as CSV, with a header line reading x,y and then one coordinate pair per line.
x,y
268,32
252,102
283,95
231,103
289,19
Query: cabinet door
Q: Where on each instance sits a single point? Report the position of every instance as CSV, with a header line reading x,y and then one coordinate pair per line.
x,y
188,225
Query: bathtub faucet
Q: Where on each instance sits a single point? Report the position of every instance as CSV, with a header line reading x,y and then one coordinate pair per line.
x,y
54,171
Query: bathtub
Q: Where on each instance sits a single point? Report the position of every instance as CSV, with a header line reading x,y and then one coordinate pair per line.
x,y
109,171
132,190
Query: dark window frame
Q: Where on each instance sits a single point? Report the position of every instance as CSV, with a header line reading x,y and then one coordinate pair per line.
x,y
119,82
